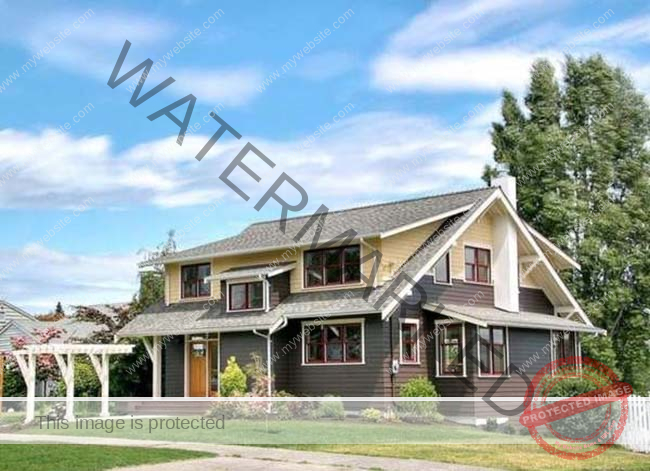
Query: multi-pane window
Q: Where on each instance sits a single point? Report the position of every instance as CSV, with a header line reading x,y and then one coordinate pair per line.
x,y
451,351
477,265
335,266
441,272
565,345
409,352
492,348
245,296
333,343
193,280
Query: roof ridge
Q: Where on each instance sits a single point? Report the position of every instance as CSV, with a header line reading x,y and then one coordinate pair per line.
x,y
373,205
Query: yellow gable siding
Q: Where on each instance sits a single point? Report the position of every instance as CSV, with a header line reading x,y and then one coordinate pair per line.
x,y
478,234
398,248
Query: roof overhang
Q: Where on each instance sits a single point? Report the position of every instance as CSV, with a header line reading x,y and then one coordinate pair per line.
x,y
423,222
567,261
265,271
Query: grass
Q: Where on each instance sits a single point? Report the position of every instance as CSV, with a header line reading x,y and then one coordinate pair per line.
x,y
44,457
510,457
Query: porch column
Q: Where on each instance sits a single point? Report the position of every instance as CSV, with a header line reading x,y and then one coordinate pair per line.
x,y
101,365
67,370
28,370
155,353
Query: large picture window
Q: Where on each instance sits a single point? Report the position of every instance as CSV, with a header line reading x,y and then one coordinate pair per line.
x,y
335,266
451,349
492,350
245,296
193,281
409,341
333,343
477,265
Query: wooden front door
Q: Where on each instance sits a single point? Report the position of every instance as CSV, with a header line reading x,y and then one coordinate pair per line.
x,y
198,369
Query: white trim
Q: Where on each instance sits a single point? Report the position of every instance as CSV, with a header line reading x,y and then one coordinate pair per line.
x,y
433,270
423,222
415,322
186,366
506,333
446,246
360,320
439,349
241,282
553,247
482,246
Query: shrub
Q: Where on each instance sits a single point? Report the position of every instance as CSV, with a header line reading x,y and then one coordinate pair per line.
x,y
291,410
371,415
233,379
491,425
329,410
86,382
422,412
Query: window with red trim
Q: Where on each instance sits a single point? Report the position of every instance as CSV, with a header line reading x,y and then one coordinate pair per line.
x,y
492,344
245,296
193,281
409,343
333,343
336,266
477,265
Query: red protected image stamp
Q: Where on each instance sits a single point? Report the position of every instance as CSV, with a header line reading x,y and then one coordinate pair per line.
x,y
579,427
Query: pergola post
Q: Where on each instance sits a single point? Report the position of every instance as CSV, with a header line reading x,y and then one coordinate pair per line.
x,y
101,366
27,365
155,353
67,370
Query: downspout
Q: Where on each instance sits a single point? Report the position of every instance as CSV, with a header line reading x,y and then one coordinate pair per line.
x,y
392,372
268,359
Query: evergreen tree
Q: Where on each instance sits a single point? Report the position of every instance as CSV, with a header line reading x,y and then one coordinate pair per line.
x,y
582,170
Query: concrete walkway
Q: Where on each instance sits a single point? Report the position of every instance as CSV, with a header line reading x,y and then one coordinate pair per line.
x,y
231,457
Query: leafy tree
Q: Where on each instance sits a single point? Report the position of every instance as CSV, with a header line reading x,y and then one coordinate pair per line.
x,y
582,167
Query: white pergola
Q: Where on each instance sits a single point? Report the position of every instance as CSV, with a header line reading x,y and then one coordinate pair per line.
x,y
64,353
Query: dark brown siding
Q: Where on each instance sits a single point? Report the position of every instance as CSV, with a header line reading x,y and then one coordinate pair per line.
x,y
458,292
534,300
240,345
279,288
173,370
338,380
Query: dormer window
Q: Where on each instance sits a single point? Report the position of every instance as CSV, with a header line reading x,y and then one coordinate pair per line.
x,y
193,281
246,296
336,266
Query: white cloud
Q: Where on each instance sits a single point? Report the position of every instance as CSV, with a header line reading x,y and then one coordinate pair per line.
x,y
69,278
232,87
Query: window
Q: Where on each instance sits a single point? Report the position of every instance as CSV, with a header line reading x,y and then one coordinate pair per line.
x,y
409,341
245,296
193,280
492,350
332,266
565,345
333,343
477,265
441,272
451,351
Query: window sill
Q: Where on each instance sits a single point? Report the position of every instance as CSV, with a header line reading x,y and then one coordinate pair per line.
x,y
442,283
410,363
451,376
191,300
334,364
257,309
326,287
493,376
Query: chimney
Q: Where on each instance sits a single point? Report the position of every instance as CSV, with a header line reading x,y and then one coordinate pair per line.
x,y
509,186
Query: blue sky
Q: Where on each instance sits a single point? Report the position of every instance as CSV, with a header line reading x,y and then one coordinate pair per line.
x,y
412,85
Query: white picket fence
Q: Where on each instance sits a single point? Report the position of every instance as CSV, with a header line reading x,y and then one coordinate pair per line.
x,y
636,435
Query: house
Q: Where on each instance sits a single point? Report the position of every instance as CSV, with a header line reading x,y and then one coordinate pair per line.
x,y
465,293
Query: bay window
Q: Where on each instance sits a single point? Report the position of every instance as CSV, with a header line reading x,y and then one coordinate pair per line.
x,y
193,281
333,343
492,350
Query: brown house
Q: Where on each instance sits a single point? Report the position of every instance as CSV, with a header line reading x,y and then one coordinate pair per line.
x,y
464,293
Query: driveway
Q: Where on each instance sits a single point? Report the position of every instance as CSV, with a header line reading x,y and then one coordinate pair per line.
x,y
231,457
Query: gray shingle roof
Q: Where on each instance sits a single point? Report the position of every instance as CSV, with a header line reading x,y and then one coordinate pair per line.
x,y
252,270
526,320
367,221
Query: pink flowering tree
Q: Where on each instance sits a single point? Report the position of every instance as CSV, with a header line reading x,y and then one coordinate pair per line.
x,y
46,366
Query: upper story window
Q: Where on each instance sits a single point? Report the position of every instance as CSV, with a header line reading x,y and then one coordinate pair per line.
x,y
409,341
492,350
193,280
333,343
442,270
336,266
245,296
477,265
451,350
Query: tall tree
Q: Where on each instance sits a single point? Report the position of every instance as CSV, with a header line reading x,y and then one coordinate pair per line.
x,y
582,168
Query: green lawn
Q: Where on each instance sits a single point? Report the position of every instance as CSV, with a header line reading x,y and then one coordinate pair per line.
x,y
45,457
510,457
